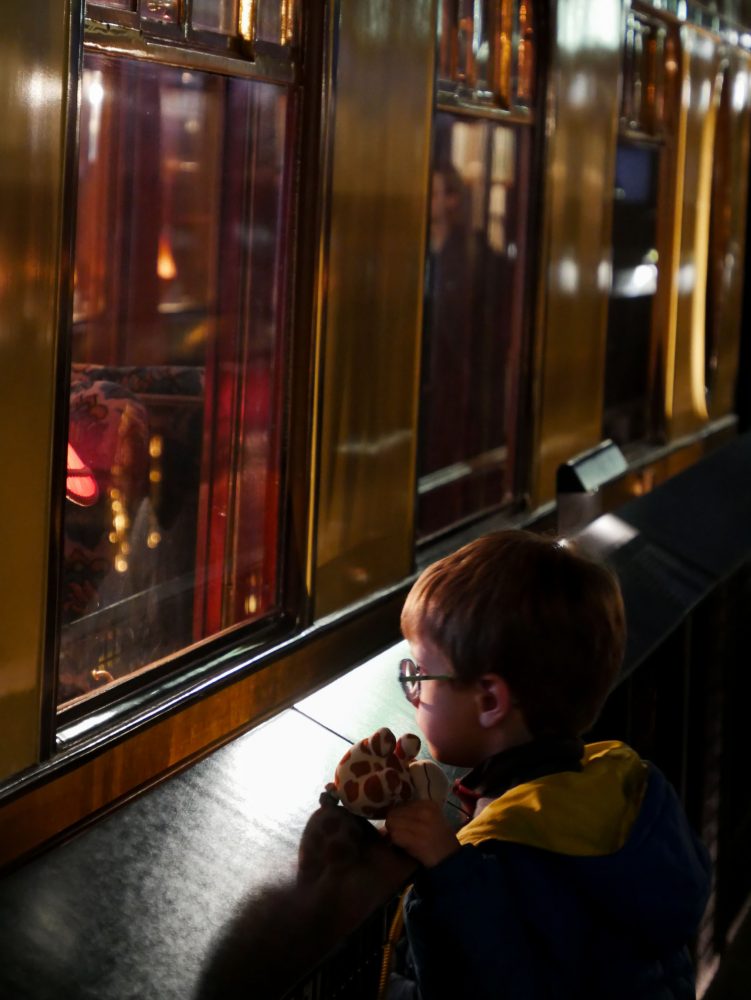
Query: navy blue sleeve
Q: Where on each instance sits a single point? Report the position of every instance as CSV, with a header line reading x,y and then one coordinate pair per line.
x,y
467,936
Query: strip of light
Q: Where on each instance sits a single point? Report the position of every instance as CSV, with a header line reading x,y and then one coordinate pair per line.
x,y
246,23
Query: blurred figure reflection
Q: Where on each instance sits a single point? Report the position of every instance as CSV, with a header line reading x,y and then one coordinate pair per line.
x,y
448,330
465,353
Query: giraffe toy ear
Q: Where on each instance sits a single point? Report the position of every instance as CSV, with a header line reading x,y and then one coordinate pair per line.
x,y
408,747
372,776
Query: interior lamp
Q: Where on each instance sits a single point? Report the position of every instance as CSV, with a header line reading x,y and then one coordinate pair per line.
x,y
80,485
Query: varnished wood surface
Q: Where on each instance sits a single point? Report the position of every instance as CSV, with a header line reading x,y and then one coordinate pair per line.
x,y
146,902
132,906
371,303
579,175
48,810
33,75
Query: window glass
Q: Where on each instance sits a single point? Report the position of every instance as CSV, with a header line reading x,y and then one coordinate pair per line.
x,y
269,20
215,15
635,271
473,318
161,11
171,513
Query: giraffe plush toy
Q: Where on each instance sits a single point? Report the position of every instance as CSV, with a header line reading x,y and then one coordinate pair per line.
x,y
380,771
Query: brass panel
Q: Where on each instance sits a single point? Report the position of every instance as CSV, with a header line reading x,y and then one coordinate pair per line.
x,y
685,403
738,83
575,275
371,312
33,79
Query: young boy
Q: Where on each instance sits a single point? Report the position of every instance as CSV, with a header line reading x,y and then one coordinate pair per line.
x,y
577,875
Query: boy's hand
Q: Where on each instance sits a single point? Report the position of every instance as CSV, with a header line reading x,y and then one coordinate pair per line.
x,y
421,829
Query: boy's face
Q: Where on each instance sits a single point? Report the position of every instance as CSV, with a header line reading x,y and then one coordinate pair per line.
x,y
447,712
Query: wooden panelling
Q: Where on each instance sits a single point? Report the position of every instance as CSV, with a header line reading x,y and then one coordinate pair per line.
x,y
575,272
372,297
33,75
685,400
732,144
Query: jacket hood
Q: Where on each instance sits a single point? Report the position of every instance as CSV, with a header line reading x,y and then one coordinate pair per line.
x,y
619,822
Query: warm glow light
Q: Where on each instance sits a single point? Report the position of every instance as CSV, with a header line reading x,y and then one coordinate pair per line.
x,y
247,18
568,275
635,282
165,264
80,485
740,91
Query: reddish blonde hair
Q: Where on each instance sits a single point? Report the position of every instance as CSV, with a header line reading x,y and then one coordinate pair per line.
x,y
531,609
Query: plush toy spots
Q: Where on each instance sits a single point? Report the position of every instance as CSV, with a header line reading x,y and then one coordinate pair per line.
x,y
380,771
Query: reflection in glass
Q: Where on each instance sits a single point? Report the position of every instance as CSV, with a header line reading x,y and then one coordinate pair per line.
x,y
215,15
629,360
174,394
473,318
269,20
161,11
488,47
119,4
524,83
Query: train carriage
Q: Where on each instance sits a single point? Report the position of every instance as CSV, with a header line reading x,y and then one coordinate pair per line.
x,y
296,296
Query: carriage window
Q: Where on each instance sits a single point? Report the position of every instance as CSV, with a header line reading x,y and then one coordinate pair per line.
x,y
629,363
172,493
650,61
473,318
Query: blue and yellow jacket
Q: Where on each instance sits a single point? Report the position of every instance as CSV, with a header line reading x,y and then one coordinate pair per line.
x,y
583,885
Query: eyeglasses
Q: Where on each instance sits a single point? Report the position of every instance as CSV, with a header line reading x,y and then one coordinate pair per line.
x,y
410,679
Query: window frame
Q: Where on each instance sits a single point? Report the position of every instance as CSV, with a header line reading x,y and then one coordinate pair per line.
x,y
458,95
173,680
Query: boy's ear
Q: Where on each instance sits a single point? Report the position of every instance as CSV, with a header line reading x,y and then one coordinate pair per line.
x,y
494,700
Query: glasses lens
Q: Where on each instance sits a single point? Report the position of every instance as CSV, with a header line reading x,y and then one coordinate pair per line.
x,y
411,679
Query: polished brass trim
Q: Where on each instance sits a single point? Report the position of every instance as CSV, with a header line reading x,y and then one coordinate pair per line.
x,y
456,104
373,298
494,458
685,401
246,20
502,53
287,25
326,156
710,20
123,41
671,253
69,204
